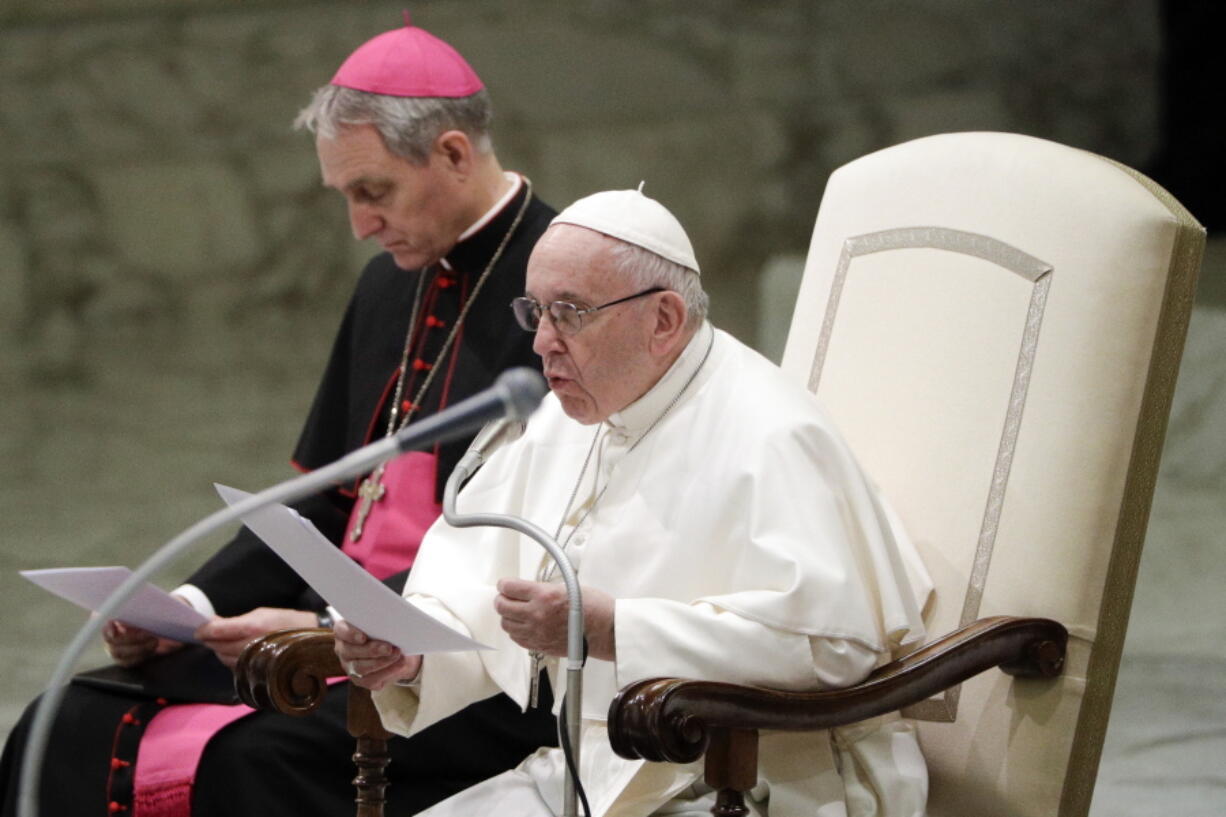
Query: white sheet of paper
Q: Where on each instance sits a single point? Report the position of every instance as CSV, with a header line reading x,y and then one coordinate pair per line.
x,y
362,599
150,608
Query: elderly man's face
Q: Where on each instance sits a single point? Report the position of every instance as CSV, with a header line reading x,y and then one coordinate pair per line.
x,y
607,365
414,212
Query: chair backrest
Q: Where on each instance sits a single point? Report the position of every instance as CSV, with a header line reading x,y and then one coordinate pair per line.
x,y
995,321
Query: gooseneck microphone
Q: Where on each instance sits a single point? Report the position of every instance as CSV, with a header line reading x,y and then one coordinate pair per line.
x,y
490,438
515,394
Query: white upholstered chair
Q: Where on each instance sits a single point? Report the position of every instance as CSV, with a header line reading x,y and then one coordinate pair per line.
x,y
995,322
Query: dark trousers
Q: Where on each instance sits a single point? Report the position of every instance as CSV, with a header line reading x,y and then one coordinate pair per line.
x,y
267,763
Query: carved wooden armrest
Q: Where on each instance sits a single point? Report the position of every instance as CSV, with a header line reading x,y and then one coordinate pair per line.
x,y
287,670
676,720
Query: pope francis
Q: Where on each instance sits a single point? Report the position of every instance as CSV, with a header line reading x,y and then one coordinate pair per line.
x,y
720,528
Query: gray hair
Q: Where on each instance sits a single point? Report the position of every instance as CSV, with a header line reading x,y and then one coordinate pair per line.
x,y
645,269
408,125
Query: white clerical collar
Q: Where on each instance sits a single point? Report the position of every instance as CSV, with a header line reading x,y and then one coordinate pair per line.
x,y
635,418
477,226
516,182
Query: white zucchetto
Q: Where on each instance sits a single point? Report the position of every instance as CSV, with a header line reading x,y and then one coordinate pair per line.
x,y
630,216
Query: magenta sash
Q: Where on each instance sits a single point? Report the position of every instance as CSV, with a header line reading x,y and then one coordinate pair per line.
x,y
176,737
169,752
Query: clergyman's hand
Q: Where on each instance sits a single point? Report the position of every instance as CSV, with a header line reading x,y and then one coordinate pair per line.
x,y
129,646
372,663
535,615
228,636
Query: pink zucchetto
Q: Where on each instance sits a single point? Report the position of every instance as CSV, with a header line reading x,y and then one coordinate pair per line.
x,y
630,216
408,61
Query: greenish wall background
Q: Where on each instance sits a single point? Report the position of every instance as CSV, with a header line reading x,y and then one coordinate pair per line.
x,y
149,173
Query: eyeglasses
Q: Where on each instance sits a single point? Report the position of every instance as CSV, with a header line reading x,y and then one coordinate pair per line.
x,y
567,318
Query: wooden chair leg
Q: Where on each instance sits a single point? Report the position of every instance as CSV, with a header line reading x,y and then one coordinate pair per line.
x,y
731,768
371,756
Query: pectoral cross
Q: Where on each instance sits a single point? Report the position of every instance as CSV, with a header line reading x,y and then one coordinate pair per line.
x,y
369,492
534,683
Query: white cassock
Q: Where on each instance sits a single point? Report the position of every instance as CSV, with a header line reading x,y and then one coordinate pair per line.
x,y
742,544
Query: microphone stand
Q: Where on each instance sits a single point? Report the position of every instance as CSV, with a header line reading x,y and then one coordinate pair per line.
x,y
574,621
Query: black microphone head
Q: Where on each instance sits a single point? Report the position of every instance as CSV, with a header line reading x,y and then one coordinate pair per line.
x,y
521,390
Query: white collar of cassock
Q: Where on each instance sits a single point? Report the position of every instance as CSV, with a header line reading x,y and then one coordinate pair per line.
x,y
637,417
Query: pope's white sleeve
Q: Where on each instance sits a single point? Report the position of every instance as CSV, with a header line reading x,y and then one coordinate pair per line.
x,y
659,637
449,681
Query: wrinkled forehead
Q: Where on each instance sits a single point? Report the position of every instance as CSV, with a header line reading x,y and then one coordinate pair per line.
x,y
572,263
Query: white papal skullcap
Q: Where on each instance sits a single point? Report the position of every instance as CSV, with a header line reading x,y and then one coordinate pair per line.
x,y
630,216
